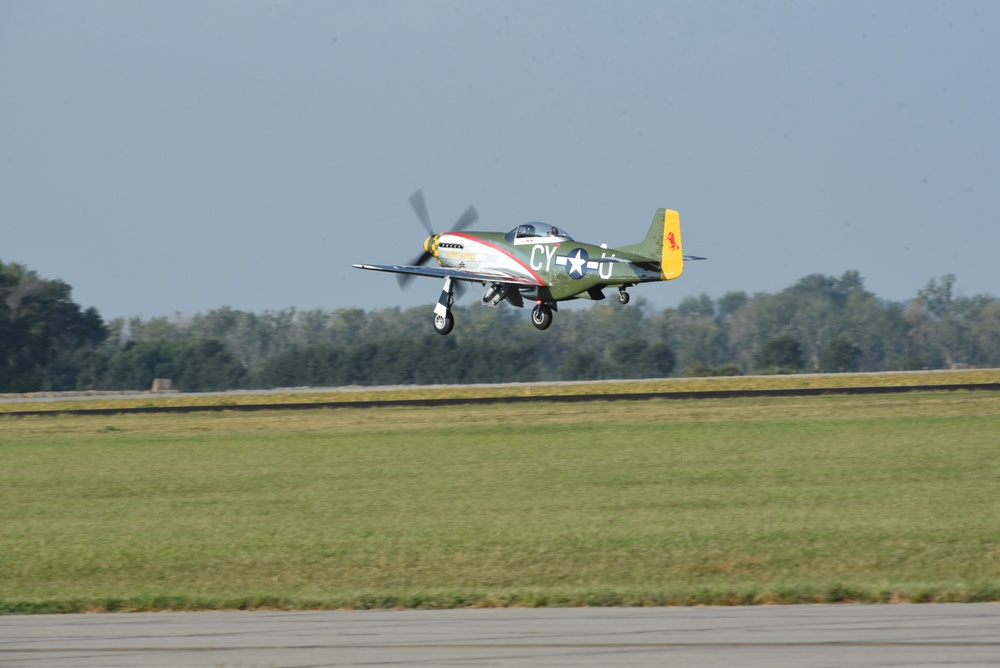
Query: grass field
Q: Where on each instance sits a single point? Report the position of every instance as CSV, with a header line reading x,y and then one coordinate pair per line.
x,y
887,498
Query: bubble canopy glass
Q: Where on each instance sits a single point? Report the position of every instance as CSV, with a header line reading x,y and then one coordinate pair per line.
x,y
538,232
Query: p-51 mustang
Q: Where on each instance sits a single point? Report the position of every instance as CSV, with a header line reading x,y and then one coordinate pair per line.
x,y
539,263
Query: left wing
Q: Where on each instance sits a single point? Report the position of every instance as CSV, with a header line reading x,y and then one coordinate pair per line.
x,y
479,276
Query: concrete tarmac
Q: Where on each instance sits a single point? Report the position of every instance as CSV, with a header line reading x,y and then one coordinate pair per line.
x,y
774,636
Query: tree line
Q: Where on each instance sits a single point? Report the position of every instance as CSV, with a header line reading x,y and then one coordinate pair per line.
x,y
821,323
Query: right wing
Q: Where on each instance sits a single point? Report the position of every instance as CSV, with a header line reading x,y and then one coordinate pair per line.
x,y
478,276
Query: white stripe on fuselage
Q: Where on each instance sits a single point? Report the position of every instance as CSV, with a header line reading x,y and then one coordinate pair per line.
x,y
479,255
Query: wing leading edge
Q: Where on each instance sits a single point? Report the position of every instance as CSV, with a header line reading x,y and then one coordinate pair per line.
x,y
448,272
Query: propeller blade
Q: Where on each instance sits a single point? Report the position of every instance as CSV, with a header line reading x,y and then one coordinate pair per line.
x,y
419,261
404,282
468,218
420,207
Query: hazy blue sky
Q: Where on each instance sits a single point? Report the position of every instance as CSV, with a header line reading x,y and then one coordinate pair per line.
x,y
168,157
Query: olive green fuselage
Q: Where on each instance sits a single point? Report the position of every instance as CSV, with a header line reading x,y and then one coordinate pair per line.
x,y
561,268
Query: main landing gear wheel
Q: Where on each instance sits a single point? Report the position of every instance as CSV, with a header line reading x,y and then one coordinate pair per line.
x,y
444,321
623,296
444,324
541,316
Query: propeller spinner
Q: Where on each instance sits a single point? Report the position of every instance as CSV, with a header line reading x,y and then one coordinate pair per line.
x,y
420,207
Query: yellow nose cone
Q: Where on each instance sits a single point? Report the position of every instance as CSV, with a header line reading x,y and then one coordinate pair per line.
x,y
430,246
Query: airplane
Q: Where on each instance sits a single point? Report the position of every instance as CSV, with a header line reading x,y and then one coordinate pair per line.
x,y
537,262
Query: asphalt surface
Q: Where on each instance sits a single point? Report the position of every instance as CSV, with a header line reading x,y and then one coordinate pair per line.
x,y
774,636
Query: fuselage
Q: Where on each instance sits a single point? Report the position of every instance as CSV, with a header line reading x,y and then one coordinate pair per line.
x,y
560,267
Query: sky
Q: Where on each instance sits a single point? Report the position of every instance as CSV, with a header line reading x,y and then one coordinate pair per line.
x,y
176,157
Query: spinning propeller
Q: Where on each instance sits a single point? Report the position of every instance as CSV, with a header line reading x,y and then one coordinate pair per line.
x,y
420,207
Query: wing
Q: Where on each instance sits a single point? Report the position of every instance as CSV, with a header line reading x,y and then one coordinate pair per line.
x,y
479,276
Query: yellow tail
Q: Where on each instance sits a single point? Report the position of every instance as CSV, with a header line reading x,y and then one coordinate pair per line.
x,y
663,244
671,255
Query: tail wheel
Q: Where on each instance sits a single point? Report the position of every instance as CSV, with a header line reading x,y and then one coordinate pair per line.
x,y
623,297
443,324
541,316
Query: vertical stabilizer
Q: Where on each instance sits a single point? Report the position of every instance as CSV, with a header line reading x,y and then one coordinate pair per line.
x,y
671,255
663,244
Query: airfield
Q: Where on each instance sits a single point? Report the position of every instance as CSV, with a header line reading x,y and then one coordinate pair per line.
x,y
961,635
615,515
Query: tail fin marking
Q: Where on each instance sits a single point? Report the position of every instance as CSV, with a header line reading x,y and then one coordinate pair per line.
x,y
662,244
671,255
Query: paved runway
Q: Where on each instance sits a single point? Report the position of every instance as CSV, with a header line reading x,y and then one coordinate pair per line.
x,y
775,636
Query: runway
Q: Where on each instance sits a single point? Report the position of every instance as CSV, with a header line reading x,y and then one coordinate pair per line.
x,y
510,399
775,636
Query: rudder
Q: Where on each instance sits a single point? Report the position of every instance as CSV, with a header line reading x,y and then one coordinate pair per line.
x,y
663,244
671,255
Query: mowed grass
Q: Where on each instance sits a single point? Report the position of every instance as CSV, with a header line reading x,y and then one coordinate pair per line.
x,y
888,498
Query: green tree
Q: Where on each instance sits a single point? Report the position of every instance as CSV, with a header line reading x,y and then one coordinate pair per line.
x,y
840,356
44,335
781,354
835,323
950,328
941,326
635,358
658,360
696,333
194,366
579,365
986,331
627,356
731,302
314,366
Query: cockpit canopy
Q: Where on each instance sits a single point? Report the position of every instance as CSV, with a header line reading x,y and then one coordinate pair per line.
x,y
536,232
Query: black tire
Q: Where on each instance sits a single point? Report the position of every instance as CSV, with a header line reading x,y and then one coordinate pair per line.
x,y
444,325
541,316
623,297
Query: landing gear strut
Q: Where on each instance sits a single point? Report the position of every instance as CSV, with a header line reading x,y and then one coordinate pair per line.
x,y
444,324
622,296
541,315
444,321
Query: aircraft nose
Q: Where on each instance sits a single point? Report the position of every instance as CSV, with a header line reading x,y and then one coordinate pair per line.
x,y
430,245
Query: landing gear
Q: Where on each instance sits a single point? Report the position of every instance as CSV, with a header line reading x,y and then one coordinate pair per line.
x,y
541,316
444,324
444,321
622,296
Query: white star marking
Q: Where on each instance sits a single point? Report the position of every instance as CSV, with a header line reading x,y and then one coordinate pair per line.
x,y
576,263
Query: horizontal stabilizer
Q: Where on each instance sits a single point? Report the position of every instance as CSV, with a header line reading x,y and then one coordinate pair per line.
x,y
622,255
